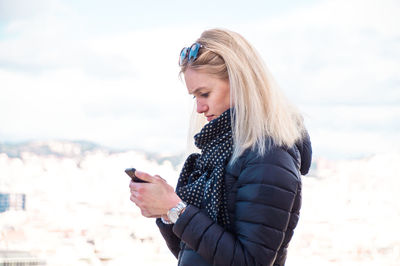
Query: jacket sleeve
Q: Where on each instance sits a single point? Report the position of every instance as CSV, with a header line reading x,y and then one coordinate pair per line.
x,y
267,187
170,238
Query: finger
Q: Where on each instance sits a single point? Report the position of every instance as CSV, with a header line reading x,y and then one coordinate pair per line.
x,y
145,213
148,214
160,178
144,176
133,199
134,185
136,198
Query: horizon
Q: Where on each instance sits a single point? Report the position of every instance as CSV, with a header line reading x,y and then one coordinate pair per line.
x,y
11,149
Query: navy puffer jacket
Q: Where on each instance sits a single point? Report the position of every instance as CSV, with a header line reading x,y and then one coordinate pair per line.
x,y
264,199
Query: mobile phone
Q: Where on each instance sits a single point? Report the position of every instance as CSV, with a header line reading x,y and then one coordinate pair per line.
x,y
131,173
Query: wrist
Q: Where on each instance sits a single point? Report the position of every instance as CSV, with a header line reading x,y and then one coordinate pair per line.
x,y
173,202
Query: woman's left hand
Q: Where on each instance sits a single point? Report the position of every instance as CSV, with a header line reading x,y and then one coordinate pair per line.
x,y
154,198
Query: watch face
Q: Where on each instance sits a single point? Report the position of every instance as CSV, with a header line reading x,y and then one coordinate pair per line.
x,y
173,215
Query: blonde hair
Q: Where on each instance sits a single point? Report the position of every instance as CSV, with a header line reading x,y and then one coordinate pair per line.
x,y
260,108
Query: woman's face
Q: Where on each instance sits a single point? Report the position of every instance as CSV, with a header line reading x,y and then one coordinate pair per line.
x,y
211,93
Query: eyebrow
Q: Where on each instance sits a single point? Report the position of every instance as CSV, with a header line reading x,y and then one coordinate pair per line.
x,y
196,90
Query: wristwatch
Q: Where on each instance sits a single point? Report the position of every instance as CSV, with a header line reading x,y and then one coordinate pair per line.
x,y
174,213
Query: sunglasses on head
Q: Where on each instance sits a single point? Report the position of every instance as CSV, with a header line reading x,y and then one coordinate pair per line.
x,y
190,53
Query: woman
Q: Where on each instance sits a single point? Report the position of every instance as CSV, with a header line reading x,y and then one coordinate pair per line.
x,y
237,202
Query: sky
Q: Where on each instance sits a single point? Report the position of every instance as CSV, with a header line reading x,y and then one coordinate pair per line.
x,y
107,72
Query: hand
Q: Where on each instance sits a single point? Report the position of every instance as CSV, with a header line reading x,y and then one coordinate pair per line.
x,y
155,198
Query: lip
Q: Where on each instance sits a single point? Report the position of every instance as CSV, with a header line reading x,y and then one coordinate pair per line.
x,y
209,117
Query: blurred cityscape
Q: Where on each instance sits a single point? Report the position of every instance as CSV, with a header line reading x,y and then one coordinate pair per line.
x,y
67,203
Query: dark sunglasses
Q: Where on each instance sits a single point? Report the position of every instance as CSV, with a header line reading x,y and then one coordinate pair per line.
x,y
190,53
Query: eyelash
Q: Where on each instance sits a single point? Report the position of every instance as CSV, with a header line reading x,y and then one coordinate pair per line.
x,y
205,95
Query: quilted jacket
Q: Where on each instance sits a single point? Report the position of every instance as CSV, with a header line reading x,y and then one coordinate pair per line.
x,y
264,199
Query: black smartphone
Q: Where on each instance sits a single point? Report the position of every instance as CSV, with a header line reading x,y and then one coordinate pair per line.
x,y
131,173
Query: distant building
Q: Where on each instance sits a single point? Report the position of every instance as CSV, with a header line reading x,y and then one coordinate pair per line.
x,y
19,258
12,201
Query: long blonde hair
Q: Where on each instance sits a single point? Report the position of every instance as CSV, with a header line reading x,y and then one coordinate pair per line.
x,y
260,108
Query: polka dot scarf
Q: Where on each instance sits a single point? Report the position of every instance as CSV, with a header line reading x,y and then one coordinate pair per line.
x,y
201,182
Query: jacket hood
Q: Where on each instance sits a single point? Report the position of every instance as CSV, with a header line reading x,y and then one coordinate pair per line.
x,y
305,149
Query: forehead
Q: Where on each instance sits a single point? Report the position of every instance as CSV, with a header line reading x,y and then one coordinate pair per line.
x,y
196,80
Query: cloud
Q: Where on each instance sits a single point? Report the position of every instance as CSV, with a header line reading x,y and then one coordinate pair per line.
x,y
61,78
18,10
334,51
119,89
348,131
48,45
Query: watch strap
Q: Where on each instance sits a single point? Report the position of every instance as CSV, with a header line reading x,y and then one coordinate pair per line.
x,y
174,213
165,221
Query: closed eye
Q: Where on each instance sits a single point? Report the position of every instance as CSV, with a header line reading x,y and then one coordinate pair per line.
x,y
204,95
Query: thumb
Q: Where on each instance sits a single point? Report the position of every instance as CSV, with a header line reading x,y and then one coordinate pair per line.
x,y
160,178
144,176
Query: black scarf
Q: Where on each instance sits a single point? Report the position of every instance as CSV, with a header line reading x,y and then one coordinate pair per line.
x,y
201,181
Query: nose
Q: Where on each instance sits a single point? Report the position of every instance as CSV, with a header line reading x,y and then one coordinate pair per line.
x,y
201,107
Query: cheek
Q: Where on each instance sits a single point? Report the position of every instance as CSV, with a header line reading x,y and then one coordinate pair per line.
x,y
221,104
226,100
